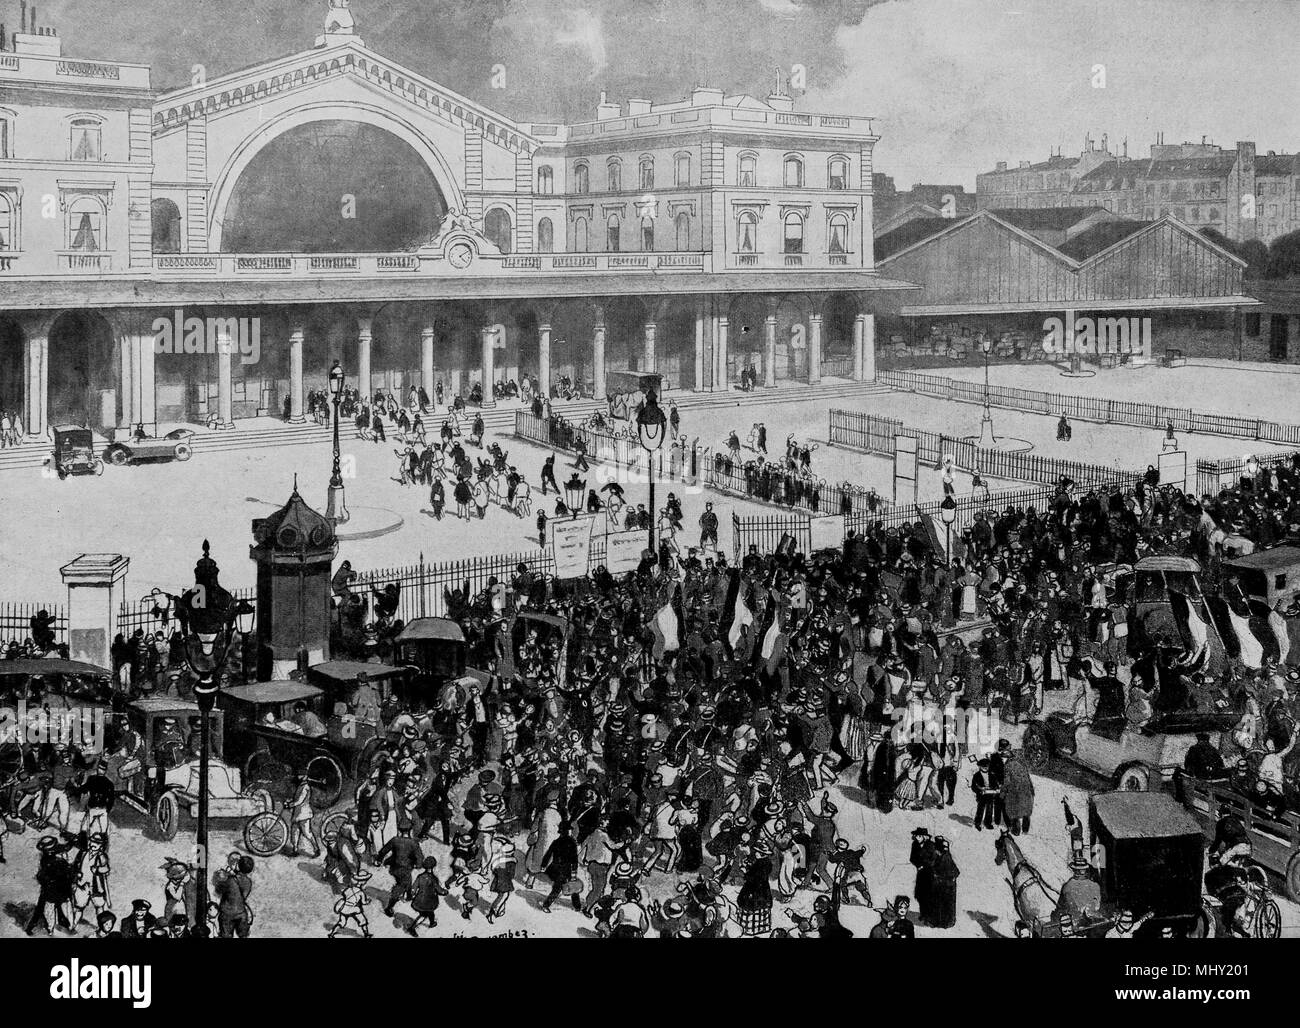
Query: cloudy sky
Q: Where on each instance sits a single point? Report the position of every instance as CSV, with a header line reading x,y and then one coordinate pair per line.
x,y
957,84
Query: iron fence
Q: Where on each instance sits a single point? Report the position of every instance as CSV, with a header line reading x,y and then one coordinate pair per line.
x,y
16,621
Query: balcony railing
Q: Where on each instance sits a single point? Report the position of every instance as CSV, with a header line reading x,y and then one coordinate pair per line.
x,y
78,261
369,264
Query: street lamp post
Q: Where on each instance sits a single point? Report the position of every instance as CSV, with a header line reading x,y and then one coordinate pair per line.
x,y
210,619
1252,470
575,491
651,431
986,422
948,514
336,508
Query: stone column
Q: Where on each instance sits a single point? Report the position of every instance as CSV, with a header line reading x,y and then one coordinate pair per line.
x,y
364,337
296,415
125,378
147,397
426,362
699,346
488,334
858,329
723,383
769,355
36,397
598,353
225,375
814,348
867,371
648,356
544,358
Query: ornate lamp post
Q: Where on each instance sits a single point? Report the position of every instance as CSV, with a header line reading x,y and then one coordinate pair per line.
x,y
210,621
335,508
651,431
948,514
575,491
986,422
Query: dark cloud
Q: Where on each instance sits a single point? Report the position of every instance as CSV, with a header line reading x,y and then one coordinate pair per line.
x,y
557,54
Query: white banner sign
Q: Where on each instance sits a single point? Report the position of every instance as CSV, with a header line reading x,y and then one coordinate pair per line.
x,y
623,551
1172,466
571,546
826,533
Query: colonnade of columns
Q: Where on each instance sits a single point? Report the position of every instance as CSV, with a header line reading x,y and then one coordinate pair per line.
x,y
712,344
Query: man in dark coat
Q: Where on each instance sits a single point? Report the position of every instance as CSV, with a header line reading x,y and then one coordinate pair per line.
x,y
560,865
424,896
882,773
943,887
986,797
922,858
402,855
54,876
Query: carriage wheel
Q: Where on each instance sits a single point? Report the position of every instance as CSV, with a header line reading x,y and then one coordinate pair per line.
x,y
1135,777
265,834
183,451
1292,878
329,828
1268,920
326,778
262,771
1036,748
167,813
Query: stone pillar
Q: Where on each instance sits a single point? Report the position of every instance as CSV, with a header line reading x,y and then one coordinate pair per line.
x,y
364,326
865,368
544,359
225,383
488,334
720,356
426,362
96,590
146,404
37,394
699,346
814,348
769,354
598,353
648,356
858,330
296,415
126,377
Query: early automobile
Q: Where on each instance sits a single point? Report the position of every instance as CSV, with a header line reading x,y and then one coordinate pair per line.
x,y
1149,853
141,449
434,647
277,729
156,768
1133,759
51,699
74,452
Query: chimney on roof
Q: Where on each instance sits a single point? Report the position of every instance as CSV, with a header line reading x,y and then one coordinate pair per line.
x,y
606,110
779,99
1001,166
637,107
1104,144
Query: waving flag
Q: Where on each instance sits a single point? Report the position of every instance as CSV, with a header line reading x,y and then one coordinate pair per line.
x,y
1195,632
667,625
1277,623
1251,652
735,612
773,640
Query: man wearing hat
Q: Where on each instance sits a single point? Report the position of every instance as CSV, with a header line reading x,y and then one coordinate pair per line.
x,y
54,876
1080,895
300,828
181,891
141,922
233,884
424,896
402,855
350,907
1203,760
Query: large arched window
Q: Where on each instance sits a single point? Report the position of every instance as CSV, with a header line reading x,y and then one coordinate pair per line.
x,y
612,234
794,232
747,232
545,236
682,169
646,173
580,236
8,223
748,177
86,224
793,171
838,234
166,226
497,227
546,180
647,233
581,179
614,175
837,173
85,139
683,223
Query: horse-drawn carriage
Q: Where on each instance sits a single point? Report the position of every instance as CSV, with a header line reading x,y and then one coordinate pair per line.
x,y
156,770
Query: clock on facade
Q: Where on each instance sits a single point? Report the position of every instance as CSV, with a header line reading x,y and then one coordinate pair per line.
x,y
460,255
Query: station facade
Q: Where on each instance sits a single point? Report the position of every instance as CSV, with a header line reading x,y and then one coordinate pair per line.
x,y
352,209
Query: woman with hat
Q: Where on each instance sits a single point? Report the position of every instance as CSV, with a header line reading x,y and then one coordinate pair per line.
x,y
502,866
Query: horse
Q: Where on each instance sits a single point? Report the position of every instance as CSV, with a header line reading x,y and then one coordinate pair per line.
x,y
1030,894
